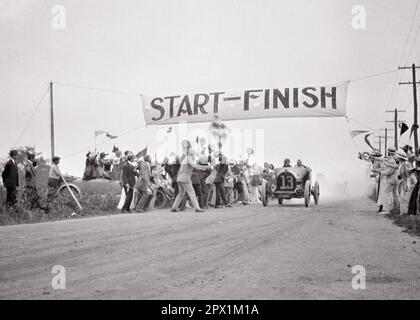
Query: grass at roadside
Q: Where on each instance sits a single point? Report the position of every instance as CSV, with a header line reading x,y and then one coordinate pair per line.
x,y
411,223
60,208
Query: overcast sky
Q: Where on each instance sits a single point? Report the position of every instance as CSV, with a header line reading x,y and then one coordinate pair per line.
x,y
167,46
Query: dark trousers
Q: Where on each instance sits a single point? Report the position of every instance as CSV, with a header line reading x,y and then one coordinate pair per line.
x,y
198,193
205,190
53,185
220,193
128,199
11,195
144,200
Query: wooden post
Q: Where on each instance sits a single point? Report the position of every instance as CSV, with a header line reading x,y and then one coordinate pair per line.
x,y
416,139
72,194
396,128
415,122
52,121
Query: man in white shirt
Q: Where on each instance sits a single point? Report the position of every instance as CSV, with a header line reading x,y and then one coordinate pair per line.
x,y
54,176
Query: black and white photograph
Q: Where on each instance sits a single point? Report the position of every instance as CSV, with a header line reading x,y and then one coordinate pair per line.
x,y
197,150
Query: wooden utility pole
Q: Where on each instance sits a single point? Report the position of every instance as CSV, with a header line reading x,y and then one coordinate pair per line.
x,y
415,122
386,140
379,143
395,121
52,120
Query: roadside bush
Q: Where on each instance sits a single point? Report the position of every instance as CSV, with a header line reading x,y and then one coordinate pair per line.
x,y
60,207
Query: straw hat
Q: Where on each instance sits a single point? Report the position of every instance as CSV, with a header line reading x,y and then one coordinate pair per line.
x,y
401,155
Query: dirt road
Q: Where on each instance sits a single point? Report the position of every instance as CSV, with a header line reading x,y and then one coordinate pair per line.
x,y
246,252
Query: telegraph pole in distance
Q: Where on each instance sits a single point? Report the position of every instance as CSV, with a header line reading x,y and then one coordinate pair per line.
x,y
386,139
379,143
395,121
414,83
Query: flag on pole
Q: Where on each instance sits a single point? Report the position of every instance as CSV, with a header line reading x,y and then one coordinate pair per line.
x,y
413,127
367,140
355,133
403,128
142,153
108,135
99,132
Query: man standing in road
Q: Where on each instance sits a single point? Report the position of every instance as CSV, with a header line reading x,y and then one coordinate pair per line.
x,y
10,178
184,177
129,181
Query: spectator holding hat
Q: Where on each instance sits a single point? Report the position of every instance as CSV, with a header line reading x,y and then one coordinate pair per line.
x,y
10,178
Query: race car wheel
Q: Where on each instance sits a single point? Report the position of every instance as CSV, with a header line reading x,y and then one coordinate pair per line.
x,y
280,201
264,193
307,193
63,190
161,200
316,192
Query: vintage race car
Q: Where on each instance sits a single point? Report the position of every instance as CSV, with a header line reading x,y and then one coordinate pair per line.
x,y
290,183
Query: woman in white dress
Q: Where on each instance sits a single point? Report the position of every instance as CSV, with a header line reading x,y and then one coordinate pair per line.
x,y
378,167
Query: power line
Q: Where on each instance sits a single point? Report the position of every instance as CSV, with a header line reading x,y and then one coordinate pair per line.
x,y
409,32
91,147
96,89
363,124
138,94
32,115
396,87
372,75
414,42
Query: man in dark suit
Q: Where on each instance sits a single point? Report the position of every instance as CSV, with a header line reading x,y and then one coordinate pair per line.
x,y
129,181
11,178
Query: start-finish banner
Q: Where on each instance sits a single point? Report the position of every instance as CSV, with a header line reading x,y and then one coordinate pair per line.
x,y
309,101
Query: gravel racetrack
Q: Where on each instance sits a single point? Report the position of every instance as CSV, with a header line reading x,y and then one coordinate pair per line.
x,y
245,252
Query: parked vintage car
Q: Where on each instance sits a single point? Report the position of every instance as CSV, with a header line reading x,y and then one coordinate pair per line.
x,y
98,186
290,185
163,192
